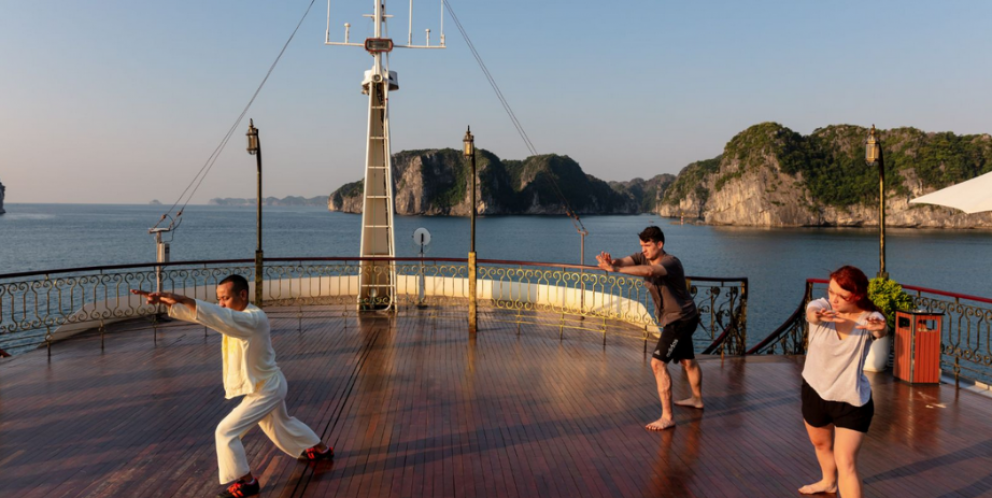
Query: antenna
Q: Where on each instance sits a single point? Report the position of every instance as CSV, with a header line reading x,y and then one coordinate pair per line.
x,y
377,279
162,246
380,27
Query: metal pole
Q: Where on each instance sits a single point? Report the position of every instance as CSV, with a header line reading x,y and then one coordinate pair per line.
x,y
582,247
472,270
162,256
881,215
472,249
258,221
582,280
422,287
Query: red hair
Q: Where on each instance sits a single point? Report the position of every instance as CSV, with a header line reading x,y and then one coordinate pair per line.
x,y
854,281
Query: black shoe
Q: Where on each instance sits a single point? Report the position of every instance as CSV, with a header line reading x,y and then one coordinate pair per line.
x,y
240,489
313,454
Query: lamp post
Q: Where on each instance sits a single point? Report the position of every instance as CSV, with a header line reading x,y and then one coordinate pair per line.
x,y
873,155
472,270
255,149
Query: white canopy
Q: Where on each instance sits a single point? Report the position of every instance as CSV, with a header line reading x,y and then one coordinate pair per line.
x,y
972,196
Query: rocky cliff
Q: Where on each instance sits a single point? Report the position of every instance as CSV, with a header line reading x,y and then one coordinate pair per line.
x,y
437,182
3,190
769,175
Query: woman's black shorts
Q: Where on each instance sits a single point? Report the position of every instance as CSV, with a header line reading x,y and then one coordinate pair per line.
x,y
819,412
675,342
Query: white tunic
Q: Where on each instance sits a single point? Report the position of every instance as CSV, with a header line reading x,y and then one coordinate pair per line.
x,y
249,359
834,367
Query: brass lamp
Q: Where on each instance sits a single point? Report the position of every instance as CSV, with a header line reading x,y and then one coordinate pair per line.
x,y
873,147
252,137
469,143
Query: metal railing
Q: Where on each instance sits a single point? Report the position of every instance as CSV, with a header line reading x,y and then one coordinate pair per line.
x,y
41,308
966,329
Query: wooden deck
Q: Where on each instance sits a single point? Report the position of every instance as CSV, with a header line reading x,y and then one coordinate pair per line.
x,y
414,407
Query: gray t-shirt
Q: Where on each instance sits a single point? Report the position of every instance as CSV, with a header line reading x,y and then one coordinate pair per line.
x,y
834,367
672,301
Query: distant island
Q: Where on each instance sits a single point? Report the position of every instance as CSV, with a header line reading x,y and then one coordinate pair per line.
x,y
435,182
271,201
767,175
155,202
3,190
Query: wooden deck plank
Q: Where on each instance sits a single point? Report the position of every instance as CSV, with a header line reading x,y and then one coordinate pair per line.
x,y
414,407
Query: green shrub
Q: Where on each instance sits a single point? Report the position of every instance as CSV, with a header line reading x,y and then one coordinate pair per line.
x,y
889,297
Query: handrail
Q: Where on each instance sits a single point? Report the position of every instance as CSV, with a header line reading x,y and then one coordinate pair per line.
x,y
120,267
722,337
48,305
922,289
966,330
735,324
786,325
789,322
331,258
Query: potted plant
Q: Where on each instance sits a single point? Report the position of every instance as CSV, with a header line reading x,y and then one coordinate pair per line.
x,y
889,297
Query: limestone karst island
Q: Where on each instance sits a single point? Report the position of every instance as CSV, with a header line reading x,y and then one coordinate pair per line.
x,y
767,175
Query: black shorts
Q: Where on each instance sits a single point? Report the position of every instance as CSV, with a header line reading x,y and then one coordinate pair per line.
x,y
819,412
675,342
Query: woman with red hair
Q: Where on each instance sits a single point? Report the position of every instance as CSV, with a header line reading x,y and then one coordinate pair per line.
x,y
836,395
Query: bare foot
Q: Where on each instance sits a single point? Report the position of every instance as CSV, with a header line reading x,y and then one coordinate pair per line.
x,y
819,487
692,402
660,424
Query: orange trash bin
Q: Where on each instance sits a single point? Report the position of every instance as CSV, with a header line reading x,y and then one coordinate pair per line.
x,y
917,347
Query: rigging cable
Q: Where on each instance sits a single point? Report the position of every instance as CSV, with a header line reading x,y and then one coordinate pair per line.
x,y
516,123
205,169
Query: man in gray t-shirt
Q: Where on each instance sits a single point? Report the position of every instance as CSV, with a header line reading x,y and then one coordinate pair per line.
x,y
675,311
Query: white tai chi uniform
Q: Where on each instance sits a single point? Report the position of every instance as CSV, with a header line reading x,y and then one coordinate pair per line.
x,y
250,370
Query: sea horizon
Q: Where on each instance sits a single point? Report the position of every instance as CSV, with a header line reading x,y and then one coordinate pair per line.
x,y
696,222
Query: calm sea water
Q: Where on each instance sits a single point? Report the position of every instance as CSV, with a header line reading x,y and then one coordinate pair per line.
x,y
777,261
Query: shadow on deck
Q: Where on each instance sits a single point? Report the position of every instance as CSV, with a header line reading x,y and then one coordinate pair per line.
x,y
414,407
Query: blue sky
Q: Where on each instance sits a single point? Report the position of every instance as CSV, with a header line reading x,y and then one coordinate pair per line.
x,y
123,101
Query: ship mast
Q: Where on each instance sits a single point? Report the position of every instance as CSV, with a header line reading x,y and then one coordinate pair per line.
x,y
377,279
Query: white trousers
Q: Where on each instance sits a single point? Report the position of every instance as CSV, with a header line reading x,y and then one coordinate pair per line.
x,y
267,408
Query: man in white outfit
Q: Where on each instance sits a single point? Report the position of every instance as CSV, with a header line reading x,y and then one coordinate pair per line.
x,y
250,370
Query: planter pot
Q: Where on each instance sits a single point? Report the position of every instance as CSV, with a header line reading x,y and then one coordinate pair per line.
x,y
878,354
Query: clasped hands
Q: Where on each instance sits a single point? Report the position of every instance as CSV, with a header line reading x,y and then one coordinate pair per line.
x,y
605,261
872,323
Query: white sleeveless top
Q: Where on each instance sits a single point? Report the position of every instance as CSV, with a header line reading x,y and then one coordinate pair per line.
x,y
834,367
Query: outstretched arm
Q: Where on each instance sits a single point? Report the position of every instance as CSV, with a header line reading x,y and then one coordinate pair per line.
x,y
604,257
627,266
167,298
226,321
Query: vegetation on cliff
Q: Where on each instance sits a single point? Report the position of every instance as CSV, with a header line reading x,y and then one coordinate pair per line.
x,y
690,181
840,177
649,192
831,161
767,174
440,179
